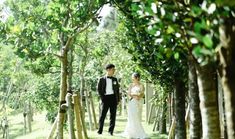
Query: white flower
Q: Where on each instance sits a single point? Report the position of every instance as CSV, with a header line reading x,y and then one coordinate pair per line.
x,y
175,13
159,40
211,8
204,5
193,40
157,33
154,7
177,35
163,11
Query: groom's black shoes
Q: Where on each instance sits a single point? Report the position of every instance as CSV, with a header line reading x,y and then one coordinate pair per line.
x,y
111,133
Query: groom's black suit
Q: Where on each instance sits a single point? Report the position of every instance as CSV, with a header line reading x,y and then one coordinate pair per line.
x,y
109,102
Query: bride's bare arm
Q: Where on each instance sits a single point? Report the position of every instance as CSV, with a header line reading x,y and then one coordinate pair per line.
x,y
141,95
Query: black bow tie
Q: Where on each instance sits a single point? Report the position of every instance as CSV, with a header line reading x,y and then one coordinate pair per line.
x,y
110,77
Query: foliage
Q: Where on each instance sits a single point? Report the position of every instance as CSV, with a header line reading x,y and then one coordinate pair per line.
x,y
165,32
15,79
39,30
103,47
158,53
37,41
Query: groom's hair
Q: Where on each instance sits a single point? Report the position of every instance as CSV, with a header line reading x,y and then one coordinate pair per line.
x,y
109,66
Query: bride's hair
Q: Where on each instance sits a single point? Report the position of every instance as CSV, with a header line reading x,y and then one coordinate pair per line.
x,y
136,75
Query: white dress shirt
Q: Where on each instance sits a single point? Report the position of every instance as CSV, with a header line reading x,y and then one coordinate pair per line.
x,y
109,86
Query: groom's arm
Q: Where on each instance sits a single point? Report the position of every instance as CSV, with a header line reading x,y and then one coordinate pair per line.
x,y
99,88
118,90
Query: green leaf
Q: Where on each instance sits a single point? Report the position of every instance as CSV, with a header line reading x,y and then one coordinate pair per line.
x,y
176,55
197,51
168,55
207,41
203,24
188,20
149,10
134,7
226,2
152,30
197,27
159,55
205,51
196,11
170,30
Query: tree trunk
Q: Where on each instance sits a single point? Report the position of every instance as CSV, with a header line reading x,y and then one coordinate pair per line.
x,y
195,114
172,106
6,96
208,101
77,110
124,101
82,66
53,128
222,110
70,91
172,129
163,118
169,109
156,119
70,116
150,113
82,89
225,123
88,109
29,116
93,110
63,91
25,115
70,69
180,131
227,72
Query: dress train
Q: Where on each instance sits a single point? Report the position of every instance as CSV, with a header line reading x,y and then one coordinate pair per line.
x,y
134,128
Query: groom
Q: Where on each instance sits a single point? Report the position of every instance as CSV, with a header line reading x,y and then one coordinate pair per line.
x,y
108,89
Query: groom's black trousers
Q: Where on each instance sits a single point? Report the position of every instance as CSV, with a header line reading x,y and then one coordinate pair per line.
x,y
109,102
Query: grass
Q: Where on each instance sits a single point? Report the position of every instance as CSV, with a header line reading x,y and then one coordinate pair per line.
x,y
119,128
41,128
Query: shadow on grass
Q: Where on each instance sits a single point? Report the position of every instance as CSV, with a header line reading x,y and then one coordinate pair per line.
x,y
16,130
158,136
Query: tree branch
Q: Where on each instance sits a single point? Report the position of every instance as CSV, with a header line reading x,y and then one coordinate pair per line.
x,y
68,43
83,29
59,56
65,23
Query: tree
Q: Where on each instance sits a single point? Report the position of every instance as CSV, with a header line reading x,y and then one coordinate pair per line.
x,y
38,28
198,34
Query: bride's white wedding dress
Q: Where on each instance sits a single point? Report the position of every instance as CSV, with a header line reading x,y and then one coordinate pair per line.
x,y
134,128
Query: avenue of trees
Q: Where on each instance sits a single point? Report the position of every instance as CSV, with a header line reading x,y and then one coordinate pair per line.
x,y
184,48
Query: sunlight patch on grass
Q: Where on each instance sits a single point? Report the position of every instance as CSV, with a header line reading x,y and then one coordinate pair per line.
x,y
40,128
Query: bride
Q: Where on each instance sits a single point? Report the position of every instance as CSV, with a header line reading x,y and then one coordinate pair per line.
x,y
134,128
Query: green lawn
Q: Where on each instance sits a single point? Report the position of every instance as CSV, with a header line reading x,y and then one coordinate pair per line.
x,y
120,126
41,128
